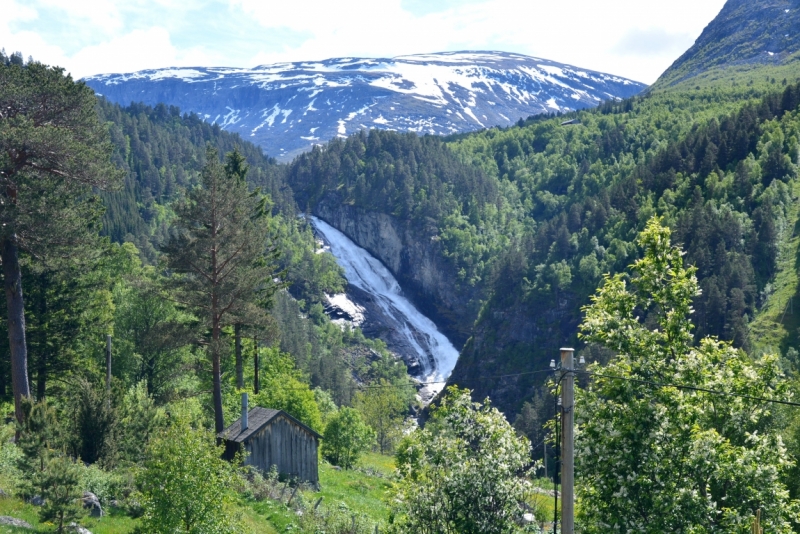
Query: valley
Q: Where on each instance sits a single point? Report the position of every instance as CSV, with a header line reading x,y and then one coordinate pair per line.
x,y
369,275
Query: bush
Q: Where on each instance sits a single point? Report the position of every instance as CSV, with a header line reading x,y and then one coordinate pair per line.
x,y
106,485
186,485
462,472
335,520
59,486
346,438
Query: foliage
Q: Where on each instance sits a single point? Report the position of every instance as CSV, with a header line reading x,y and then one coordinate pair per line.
x,y
185,486
219,256
284,388
152,337
163,152
661,458
138,419
462,472
37,439
327,408
53,151
93,422
383,408
59,486
335,520
46,471
347,436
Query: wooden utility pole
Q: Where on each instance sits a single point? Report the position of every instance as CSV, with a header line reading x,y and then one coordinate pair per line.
x,y
256,384
108,363
544,443
567,445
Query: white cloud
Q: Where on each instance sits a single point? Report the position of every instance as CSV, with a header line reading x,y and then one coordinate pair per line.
x,y
126,35
102,15
12,11
585,33
137,50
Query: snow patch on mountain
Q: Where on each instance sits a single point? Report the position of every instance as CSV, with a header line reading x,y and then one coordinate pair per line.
x,y
439,94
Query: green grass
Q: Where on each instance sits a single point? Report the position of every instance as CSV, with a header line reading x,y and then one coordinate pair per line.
x,y
360,492
775,326
113,523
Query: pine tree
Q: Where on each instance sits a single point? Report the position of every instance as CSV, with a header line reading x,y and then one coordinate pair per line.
x,y
60,488
218,257
53,150
36,435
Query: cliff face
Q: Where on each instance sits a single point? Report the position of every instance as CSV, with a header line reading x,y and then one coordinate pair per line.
x,y
508,356
415,258
511,334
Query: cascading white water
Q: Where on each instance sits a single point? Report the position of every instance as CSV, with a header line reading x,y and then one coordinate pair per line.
x,y
433,350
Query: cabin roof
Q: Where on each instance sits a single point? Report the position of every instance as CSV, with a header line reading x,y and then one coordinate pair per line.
x,y
258,418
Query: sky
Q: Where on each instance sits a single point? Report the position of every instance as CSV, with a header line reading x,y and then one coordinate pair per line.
x,y
637,39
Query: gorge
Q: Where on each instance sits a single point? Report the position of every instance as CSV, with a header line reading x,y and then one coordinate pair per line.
x,y
429,355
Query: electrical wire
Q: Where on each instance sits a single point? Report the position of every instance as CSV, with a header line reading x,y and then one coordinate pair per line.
x,y
690,388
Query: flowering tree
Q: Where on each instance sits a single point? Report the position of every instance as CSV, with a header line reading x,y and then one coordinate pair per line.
x,y
654,458
462,472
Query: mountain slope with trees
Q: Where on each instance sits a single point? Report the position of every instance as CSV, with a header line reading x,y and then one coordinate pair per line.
x,y
746,36
541,210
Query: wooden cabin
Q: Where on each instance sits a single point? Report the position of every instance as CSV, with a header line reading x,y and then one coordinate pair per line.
x,y
273,437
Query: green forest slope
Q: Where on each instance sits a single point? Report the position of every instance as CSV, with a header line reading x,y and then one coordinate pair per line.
x,y
542,210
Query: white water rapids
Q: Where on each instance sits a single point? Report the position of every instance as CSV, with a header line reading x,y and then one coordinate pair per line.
x,y
434,351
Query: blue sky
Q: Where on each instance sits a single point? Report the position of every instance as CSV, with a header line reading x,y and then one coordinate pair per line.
x,y
633,38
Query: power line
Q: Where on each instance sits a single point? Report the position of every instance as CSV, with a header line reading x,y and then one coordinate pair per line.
x,y
691,388
590,373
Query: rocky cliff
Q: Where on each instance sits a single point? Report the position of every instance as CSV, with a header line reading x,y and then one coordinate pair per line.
x,y
415,257
507,335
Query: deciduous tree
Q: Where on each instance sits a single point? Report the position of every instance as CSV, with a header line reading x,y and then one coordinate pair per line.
x,y
347,436
462,472
660,458
186,486
383,408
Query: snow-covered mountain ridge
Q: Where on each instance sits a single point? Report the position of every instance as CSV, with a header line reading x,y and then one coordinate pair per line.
x,y
288,107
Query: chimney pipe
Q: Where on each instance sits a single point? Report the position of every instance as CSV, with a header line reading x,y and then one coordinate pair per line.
x,y
244,412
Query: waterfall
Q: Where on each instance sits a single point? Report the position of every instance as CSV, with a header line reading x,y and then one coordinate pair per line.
x,y
434,351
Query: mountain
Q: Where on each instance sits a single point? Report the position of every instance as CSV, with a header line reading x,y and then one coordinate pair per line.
x,y
746,34
289,107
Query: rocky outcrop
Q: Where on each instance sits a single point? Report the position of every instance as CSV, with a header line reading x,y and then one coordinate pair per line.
x,y
7,520
508,356
92,503
415,257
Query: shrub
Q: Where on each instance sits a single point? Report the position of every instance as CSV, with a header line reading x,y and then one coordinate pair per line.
x,y
186,485
346,438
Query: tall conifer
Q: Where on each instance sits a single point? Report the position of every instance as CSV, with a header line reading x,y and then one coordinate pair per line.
x,y
218,256
53,151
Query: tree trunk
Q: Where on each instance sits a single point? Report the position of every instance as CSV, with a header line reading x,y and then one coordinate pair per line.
x,y
216,370
255,366
16,322
237,333
41,364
